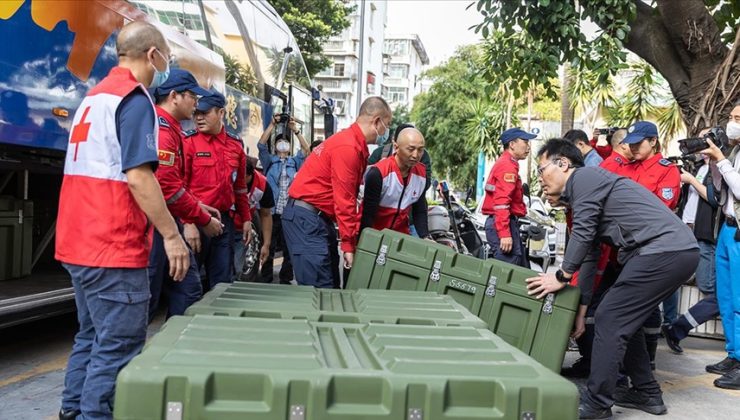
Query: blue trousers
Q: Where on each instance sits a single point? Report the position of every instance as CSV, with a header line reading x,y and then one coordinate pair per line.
x,y
217,254
180,294
517,255
312,243
727,260
112,306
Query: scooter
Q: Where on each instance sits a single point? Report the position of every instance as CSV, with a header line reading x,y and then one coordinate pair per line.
x,y
454,225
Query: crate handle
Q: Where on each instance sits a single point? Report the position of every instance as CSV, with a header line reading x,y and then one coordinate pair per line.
x,y
381,255
415,414
434,276
547,307
491,289
297,412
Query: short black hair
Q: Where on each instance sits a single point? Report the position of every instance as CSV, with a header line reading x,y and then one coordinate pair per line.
x,y
251,165
400,128
556,148
574,136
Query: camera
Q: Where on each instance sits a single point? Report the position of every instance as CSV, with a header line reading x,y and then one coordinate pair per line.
x,y
695,144
690,163
283,117
608,131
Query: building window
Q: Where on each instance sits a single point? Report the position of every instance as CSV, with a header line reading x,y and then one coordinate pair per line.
x,y
397,94
370,82
177,19
397,47
339,69
399,71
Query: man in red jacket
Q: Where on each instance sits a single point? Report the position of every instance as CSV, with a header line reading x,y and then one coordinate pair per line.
x,y
325,190
215,165
504,199
176,99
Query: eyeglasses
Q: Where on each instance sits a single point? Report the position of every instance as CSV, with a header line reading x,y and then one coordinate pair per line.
x,y
541,169
191,95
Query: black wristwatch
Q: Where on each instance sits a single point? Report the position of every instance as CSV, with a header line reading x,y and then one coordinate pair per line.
x,y
560,276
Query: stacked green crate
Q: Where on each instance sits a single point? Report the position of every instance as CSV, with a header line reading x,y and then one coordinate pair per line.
x,y
353,306
493,290
16,230
209,367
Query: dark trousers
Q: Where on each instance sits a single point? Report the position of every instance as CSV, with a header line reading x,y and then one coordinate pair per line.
x,y
217,254
645,281
585,341
180,294
277,244
312,243
702,311
518,255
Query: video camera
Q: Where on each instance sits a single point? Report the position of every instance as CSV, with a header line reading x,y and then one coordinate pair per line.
x,y
283,118
692,145
690,163
608,133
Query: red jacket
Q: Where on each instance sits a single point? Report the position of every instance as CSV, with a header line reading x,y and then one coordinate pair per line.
x,y
396,196
603,151
256,191
504,196
617,164
659,176
171,172
330,179
215,171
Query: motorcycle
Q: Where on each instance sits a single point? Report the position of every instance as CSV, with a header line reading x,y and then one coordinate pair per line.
x,y
455,225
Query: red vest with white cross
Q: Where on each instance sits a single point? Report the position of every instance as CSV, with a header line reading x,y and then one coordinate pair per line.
x,y
99,222
395,197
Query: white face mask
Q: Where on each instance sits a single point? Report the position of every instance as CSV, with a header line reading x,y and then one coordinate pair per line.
x,y
282,146
733,130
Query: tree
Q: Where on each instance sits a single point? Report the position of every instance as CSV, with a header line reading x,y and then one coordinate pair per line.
x,y
694,46
401,115
312,23
240,76
443,111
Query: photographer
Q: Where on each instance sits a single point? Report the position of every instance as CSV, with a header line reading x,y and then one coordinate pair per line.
x,y
280,169
726,175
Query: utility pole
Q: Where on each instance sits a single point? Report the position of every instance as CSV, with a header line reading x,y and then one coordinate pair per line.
x,y
362,58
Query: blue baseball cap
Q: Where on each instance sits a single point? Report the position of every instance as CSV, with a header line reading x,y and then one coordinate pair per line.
x,y
515,133
180,80
210,100
639,131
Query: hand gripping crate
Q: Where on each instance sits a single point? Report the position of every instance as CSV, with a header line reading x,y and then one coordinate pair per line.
x,y
493,290
259,300
212,367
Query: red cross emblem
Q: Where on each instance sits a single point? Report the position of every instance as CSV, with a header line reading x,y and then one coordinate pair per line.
x,y
79,132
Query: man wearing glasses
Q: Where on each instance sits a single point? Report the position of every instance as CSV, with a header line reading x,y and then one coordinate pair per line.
x,y
658,253
176,99
504,199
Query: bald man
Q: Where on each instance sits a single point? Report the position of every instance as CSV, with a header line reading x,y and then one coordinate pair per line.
x,y
395,187
324,191
108,199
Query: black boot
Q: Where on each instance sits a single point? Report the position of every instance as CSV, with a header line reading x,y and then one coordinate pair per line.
x,y
69,414
580,369
730,380
652,404
670,339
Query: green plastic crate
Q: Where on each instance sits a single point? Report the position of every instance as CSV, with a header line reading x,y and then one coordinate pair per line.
x,y
16,233
353,306
208,367
493,290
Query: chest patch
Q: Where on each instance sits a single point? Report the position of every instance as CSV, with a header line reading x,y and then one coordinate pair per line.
x,y
510,178
203,154
166,157
666,193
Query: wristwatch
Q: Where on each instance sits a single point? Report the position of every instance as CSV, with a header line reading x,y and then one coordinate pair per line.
x,y
560,276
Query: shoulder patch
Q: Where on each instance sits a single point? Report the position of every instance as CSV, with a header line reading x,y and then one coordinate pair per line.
x,y
509,177
619,160
233,135
166,157
163,122
665,162
666,193
189,133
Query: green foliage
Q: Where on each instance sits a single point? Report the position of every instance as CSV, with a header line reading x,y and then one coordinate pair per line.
x,y
312,23
239,75
401,115
443,112
638,103
670,123
484,127
726,13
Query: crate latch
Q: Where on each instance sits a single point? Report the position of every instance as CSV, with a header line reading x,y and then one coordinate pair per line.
x,y
528,415
174,411
297,412
434,276
547,307
381,255
20,216
415,414
491,289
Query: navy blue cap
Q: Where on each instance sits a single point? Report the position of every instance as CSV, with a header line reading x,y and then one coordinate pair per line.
x,y
210,100
180,80
640,131
515,133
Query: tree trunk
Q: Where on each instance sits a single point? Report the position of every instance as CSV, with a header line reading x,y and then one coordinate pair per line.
x,y
567,110
684,45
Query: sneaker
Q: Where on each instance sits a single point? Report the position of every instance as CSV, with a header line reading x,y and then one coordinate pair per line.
x,y
730,380
580,369
587,411
670,339
652,404
725,366
69,414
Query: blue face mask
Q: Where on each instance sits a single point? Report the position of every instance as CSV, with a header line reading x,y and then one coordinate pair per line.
x,y
160,76
384,138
